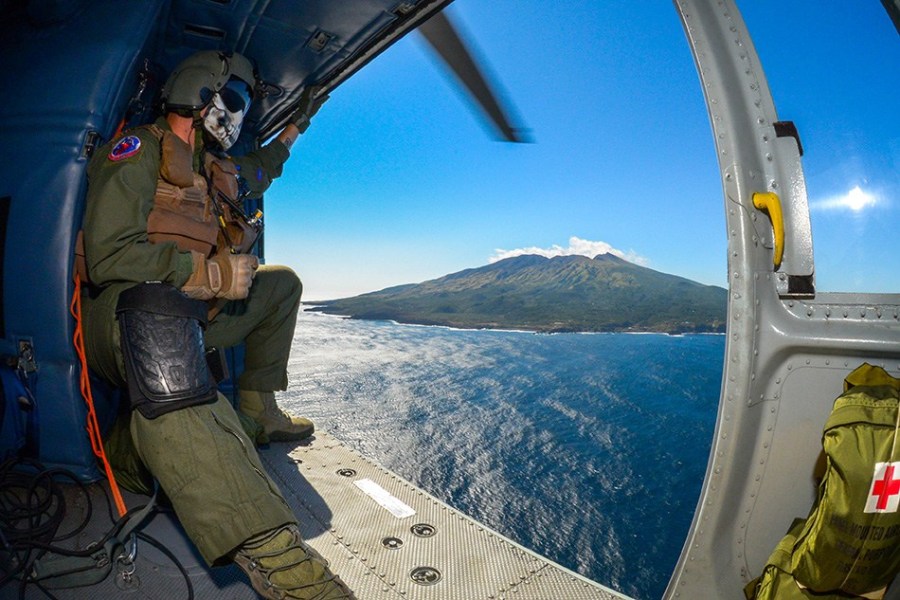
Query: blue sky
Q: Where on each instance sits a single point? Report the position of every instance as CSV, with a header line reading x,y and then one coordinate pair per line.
x,y
399,179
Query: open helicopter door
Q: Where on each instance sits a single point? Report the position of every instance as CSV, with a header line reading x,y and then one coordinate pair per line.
x,y
789,347
53,117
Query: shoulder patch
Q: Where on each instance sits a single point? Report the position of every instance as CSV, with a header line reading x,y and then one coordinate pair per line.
x,y
128,146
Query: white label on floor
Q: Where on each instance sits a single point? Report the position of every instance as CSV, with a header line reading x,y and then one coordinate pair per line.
x,y
384,498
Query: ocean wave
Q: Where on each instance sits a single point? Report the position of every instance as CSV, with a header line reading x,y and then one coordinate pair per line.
x,y
583,448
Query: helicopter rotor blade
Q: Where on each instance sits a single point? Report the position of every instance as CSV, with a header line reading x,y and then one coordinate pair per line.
x,y
893,9
443,37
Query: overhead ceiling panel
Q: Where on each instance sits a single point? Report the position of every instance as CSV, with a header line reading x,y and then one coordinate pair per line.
x,y
296,43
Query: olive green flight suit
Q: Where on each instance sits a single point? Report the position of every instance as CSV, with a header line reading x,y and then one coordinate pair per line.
x,y
200,455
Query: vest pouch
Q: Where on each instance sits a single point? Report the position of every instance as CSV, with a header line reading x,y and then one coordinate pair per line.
x,y
223,177
239,234
177,161
183,216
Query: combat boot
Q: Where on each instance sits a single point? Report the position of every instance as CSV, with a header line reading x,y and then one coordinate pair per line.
x,y
278,426
282,566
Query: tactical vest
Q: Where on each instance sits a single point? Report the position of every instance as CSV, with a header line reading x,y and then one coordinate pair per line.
x,y
182,212
195,212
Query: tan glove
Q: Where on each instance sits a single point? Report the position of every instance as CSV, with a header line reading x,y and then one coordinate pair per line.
x,y
227,276
237,273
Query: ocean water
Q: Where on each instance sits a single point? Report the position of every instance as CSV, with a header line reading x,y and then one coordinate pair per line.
x,y
588,448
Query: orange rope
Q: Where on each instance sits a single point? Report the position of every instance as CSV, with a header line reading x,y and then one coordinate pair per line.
x,y
93,427
119,129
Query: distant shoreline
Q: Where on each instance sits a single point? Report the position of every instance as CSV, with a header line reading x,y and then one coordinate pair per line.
x,y
311,308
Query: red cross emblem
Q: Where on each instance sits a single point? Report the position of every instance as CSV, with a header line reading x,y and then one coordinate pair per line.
x,y
884,495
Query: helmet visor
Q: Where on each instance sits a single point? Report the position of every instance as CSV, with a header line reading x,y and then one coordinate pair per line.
x,y
236,96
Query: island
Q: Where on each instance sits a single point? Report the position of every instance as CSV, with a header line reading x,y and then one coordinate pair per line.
x,y
549,295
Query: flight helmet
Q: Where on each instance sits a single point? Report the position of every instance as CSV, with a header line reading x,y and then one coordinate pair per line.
x,y
221,83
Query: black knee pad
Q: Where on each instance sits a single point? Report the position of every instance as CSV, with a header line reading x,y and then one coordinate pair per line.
x,y
162,343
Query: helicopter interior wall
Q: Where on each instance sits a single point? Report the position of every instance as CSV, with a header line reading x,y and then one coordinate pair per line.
x,y
784,494
71,79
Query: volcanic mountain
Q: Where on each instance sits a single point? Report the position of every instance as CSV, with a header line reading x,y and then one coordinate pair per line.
x,y
564,293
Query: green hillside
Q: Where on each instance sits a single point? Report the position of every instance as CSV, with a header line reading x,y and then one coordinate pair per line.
x,y
565,293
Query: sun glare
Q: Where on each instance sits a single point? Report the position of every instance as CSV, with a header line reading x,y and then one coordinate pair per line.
x,y
856,199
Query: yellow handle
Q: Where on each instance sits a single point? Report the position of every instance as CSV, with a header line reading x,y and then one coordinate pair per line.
x,y
770,203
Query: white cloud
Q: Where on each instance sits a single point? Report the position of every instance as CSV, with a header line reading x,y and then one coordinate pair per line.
x,y
855,200
577,246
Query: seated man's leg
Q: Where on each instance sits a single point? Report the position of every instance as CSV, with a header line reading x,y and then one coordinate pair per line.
x,y
265,321
206,464
185,433
212,474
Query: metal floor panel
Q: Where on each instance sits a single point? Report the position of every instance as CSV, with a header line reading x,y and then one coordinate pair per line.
x,y
436,553
381,555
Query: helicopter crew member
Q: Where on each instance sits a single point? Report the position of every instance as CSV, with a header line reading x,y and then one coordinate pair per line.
x,y
166,246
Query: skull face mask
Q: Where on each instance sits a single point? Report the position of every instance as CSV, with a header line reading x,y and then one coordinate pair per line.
x,y
225,113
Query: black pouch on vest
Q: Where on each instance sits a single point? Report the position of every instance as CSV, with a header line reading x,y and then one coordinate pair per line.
x,y
162,342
